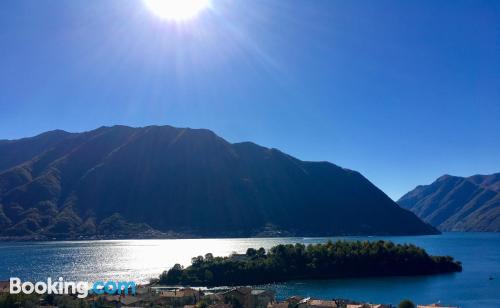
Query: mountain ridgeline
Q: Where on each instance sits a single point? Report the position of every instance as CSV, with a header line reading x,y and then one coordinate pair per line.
x,y
455,203
163,181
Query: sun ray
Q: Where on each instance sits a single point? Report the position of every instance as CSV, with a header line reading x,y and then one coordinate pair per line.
x,y
177,10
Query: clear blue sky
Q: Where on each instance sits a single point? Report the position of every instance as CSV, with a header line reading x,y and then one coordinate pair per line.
x,y
402,91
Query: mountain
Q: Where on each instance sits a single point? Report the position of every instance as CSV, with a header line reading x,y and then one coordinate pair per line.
x,y
166,181
455,203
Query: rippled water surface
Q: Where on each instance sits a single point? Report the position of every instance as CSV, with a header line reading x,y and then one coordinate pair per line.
x,y
140,260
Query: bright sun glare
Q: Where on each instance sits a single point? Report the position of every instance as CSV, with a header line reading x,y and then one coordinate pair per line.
x,y
177,10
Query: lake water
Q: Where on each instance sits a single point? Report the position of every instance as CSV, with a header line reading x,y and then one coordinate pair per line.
x,y
140,260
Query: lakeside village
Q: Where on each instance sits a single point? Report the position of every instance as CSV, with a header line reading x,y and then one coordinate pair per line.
x,y
159,296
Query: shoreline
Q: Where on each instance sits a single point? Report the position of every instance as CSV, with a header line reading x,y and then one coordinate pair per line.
x,y
21,239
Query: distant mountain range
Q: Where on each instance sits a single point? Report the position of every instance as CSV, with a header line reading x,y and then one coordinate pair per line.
x,y
455,203
162,181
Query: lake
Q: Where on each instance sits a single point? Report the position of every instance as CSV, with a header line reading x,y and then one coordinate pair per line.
x,y
139,260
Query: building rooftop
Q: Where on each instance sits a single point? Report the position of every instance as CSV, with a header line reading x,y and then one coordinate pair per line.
x,y
322,303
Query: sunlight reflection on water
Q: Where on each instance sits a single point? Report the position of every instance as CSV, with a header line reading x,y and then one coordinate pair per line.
x,y
115,259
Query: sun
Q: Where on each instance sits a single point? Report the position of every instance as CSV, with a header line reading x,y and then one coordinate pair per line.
x,y
177,10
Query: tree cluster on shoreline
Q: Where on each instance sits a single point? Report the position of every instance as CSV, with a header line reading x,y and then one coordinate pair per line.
x,y
341,259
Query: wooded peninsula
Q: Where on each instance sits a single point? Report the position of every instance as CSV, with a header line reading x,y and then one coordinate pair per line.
x,y
340,259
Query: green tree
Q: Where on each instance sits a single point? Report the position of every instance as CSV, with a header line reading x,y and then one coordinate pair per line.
x,y
209,257
251,252
197,260
406,304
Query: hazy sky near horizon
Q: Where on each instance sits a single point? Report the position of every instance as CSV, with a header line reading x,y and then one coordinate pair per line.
x,y
402,91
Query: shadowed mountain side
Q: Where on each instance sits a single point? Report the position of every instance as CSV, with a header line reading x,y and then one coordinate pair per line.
x,y
454,203
184,181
